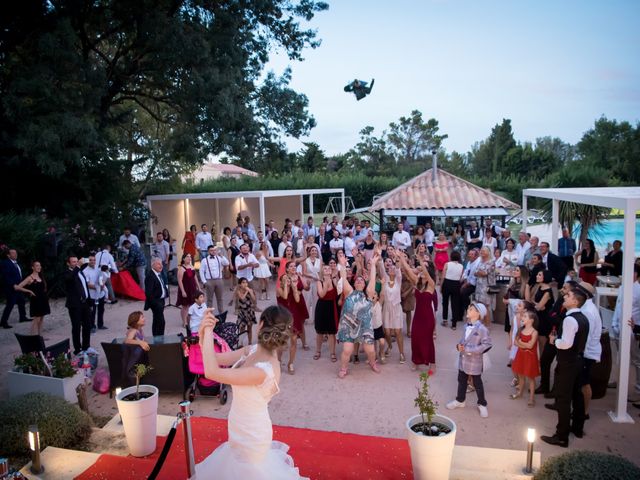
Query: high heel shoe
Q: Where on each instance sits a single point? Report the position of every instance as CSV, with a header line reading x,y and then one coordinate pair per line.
x,y
290,369
531,403
513,396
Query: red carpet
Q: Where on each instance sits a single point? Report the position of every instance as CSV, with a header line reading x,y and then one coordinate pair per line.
x,y
318,454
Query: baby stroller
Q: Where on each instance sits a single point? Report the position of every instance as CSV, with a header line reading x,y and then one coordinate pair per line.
x,y
206,387
225,339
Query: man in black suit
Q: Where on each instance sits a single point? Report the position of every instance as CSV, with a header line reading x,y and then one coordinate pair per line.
x,y
12,276
570,342
554,263
79,305
156,291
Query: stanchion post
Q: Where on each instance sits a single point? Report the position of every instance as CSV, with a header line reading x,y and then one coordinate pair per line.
x,y
185,414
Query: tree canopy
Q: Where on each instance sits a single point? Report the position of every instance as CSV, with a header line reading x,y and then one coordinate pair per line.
x,y
100,97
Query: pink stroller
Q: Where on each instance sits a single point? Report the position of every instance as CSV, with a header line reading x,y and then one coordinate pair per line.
x,y
205,386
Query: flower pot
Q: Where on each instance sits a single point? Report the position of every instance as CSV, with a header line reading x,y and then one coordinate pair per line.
x,y
21,383
139,418
431,456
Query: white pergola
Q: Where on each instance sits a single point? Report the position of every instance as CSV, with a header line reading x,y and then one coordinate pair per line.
x,y
622,198
221,203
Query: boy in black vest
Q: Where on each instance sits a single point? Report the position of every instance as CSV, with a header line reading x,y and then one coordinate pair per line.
x,y
570,343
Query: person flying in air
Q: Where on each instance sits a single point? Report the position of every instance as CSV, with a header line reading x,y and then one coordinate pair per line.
x,y
359,88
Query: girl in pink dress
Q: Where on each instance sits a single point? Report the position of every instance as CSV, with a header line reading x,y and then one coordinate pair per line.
x,y
441,248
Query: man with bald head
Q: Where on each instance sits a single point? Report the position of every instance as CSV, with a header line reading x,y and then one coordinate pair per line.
x,y
156,291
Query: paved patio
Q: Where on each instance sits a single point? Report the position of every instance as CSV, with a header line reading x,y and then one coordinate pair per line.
x,y
364,402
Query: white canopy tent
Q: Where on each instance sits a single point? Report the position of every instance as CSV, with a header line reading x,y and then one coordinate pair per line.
x,y
622,198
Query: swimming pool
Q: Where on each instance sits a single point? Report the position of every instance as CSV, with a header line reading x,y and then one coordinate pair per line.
x,y
609,231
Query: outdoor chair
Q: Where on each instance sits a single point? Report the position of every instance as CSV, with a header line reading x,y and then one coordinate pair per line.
x,y
35,343
169,374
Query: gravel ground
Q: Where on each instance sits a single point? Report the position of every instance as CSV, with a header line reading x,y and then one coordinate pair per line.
x,y
364,402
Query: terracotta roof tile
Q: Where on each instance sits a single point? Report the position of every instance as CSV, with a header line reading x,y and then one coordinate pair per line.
x,y
448,191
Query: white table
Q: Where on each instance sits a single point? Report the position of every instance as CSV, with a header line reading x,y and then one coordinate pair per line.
x,y
605,292
609,280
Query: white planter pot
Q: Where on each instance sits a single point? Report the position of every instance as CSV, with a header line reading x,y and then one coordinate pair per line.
x,y
21,383
431,456
139,418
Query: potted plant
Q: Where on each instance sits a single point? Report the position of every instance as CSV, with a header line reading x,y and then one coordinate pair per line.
x,y
138,407
33,372
431,437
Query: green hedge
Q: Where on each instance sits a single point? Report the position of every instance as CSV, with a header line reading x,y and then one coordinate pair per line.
x,y
60,423
361,188
586,465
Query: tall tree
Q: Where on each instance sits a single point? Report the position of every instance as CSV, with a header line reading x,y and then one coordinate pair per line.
x,y
488,156
563,152
312,158
412,139
99,97
371,155
614,146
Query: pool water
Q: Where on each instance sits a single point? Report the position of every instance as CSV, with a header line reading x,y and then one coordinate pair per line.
x,y
611,230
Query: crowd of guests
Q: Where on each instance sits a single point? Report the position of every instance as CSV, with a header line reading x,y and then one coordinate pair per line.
x,y
365,292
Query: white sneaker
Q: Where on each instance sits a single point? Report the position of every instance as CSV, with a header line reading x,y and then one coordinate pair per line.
x,y
484,413
453,404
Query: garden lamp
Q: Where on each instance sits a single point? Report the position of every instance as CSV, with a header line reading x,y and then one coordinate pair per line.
x,y
531,436
34,446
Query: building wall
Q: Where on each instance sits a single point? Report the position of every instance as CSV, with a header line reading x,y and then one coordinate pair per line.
x,y
202,211
279,208
168,214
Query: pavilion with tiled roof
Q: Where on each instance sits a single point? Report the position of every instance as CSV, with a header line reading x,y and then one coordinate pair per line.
x,y
437,193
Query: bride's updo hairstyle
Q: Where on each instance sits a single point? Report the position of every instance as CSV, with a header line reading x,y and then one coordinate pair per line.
x,y
276,327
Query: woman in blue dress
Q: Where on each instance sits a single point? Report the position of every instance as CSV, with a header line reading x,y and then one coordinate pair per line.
x,y
355,319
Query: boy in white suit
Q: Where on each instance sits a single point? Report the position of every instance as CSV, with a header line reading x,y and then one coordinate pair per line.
x,y
474,343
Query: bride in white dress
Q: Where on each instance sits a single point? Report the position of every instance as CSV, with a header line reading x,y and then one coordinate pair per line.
x,y
250,452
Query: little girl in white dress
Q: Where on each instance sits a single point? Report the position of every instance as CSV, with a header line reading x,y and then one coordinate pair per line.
x,y
263,273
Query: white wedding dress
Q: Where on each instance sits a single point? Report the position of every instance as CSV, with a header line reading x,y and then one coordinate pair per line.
x,y
250,453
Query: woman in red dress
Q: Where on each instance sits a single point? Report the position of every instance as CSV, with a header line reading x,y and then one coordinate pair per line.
x,y
189,242
588,261
289,294
526,364
441,248
187,286
423,327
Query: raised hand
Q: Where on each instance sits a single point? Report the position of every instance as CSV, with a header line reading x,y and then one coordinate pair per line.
x,y
209,321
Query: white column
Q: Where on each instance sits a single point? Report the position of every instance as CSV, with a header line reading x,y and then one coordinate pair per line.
x,y
555,220
219,227
187,223
524,212
621,415
262,214
311,204
151,232
301,217
342,204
